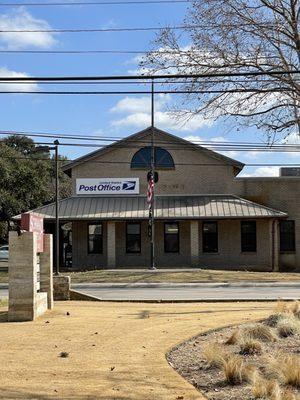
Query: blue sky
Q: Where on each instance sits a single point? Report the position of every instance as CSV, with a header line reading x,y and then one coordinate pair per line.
x,y
107,115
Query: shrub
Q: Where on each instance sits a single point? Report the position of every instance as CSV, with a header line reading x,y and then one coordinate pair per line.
x,y
273,319
215,355
290,369
260,332
250,347
288,326
264,389
288,395
236,372
234,337
295,307
281,307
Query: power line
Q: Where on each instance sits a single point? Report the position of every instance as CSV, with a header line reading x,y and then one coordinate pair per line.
x,y
129,162
163,82
96,3
171,51
118,93
145,77
125,29
189,146
115,139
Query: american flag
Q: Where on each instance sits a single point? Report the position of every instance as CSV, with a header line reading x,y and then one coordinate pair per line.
x,y
150,190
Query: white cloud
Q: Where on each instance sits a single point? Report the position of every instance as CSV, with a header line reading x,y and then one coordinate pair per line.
x,y
20,87
262,172
19,19
217,139
138,110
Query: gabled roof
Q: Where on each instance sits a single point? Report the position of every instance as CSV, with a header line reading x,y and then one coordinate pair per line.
x,y
166,207
142,134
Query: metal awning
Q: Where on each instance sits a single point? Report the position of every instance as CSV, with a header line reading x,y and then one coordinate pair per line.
x,y
166,207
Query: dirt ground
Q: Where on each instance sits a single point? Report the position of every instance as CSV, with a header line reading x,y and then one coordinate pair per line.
x,y
188,359
116,350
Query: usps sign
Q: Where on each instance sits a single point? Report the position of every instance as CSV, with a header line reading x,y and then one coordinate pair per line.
x,y
109,186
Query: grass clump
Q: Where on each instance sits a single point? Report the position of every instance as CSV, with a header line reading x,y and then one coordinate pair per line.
x,y
290,370
236,372
259,332
250,347
266,389
233,338
288,326
215,355
273,320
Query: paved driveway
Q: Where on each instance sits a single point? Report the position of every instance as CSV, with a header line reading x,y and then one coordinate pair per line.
x,y
139,292
188,292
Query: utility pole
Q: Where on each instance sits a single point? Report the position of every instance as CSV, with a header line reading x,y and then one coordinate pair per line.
x,y
42,149
152,243
56,143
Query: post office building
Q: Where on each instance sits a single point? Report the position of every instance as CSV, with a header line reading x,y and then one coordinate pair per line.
x,y
205,214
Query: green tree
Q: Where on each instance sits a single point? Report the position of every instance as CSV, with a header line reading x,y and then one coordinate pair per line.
x,y
26,179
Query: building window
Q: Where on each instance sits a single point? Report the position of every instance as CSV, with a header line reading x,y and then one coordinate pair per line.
x,y
142,159
133,237
248,236
210,237
171,237
287,236
95,239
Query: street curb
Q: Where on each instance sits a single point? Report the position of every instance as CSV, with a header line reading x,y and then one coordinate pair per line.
x,y
87,297
243,284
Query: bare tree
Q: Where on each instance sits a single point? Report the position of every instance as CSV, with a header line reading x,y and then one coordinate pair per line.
x,y
234,36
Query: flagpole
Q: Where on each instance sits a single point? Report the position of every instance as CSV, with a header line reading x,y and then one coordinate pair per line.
x,y
152,244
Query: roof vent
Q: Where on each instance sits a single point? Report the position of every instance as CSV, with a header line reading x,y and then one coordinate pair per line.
x,y
290,171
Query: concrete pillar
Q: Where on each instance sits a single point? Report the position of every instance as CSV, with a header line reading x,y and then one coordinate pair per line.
x,y
46,270
25,302
194,233
274,245
61,287
111,244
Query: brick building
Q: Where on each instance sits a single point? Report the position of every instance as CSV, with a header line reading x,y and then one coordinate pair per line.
x,y
206,216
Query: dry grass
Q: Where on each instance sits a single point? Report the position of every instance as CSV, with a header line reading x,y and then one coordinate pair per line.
x,y
266,389
234,337
282,307
259,332
215,355
290,369
288,395
295,307
273,320
135,347
236,372
288,326
250,347
203,275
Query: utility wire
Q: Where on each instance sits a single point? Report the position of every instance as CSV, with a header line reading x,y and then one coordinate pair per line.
x,y
171,52
180,147
145,77
129,162
118,93
125,29
116,139
163,82
96,3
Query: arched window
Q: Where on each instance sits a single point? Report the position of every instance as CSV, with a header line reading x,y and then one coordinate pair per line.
x,y
162,158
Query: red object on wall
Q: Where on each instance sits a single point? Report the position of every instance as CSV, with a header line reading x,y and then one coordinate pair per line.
x,y
33,223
